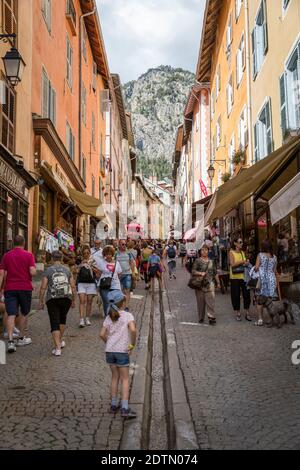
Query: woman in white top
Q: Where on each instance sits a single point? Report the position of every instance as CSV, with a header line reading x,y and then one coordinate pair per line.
x,y
86,287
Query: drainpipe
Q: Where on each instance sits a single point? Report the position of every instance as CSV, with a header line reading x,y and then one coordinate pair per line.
x,y
249,95
81,20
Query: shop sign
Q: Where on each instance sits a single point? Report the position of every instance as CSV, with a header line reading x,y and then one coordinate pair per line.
x,y
11,179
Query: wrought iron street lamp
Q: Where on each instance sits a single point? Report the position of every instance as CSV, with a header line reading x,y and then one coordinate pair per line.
x,y
13,63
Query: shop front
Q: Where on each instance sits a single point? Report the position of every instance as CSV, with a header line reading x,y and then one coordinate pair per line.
x,y
15,183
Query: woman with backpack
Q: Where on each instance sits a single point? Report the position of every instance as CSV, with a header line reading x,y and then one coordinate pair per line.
x,y
170,254
59,285
86,286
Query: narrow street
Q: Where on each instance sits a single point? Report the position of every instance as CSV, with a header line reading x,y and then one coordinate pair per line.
x,y
229,386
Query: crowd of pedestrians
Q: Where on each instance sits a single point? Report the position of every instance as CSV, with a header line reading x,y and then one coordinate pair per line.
x,y
110,274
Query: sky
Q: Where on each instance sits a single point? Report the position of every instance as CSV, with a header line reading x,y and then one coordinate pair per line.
x,y
143,34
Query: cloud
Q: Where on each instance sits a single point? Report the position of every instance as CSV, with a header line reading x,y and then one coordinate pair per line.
x,y
141,34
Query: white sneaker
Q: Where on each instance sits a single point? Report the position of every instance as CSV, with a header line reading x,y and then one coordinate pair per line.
x,y
63,344
82,323
87,322
11,347
24,342
56,352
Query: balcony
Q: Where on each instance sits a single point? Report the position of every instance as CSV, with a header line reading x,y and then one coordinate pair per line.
x,y
71,16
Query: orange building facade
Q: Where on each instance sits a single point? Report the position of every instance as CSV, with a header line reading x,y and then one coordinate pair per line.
x,y
69,78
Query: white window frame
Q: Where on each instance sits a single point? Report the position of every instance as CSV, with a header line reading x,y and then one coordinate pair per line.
x,y
240,61
238,8
290,105
218,132
285,6
229,35
263,134
69,63
260,39
243,129
47,13
230,95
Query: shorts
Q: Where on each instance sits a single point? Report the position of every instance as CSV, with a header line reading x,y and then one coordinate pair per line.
x,y
88,289
18,299
182,255
154,271
117,359
126,281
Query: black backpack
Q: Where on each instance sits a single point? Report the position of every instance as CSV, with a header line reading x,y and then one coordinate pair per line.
x,y
171,252
85,275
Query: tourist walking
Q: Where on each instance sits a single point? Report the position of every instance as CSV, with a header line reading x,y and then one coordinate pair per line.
x,y
204,274
119,334
170,255
96,250
60,289
145,254
238,263
86,286
108,272
266,266
16,332
155,268
191,254
19,267
134,253
182,251
127,263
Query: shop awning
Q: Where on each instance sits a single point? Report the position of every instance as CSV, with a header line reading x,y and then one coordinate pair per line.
x,y
286,200
249,181
87,204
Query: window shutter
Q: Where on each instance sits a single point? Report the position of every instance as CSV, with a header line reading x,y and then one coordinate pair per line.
x,y
245,128
256,150
254,53
52,113
265,26
283,100
73,147
45,95
269,127
243,53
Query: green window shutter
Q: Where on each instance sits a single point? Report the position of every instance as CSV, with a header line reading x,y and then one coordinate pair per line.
x,y
283,101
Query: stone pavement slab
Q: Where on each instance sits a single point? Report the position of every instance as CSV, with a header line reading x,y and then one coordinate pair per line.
x,y
62,402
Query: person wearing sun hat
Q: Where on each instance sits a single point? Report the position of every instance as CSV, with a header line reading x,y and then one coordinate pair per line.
x,y
119,334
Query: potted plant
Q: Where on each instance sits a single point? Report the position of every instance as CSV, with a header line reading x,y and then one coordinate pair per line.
x,y
226,177
239,157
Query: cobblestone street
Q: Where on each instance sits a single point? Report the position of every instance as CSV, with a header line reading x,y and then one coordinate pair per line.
x,y
243,391
59,403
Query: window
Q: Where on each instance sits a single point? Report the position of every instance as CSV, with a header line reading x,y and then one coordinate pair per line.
x,y
285,4
48,98
229,95
290,101
70,141
84,36
238,8
83,168
243,129
93,131
218,82
263,139
240,61
10,16
69,63
231,151
212,104
71,16
94,83
260,38
218,132
46,12
83,104
229,33
8,118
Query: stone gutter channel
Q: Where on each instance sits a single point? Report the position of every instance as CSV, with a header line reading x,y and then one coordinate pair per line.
x,y
158,394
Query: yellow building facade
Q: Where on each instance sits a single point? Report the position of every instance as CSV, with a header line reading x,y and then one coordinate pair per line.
x,y
275,72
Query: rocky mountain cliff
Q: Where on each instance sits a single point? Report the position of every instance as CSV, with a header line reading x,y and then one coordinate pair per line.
x,y
156,101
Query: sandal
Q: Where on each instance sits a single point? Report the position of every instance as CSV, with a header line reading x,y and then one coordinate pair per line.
x,y
212,320
259,323
239,317
248,318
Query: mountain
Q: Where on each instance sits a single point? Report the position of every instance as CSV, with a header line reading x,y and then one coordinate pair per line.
x,y
156,102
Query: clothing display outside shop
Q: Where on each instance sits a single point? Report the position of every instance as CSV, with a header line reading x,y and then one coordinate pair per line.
x,y
50,242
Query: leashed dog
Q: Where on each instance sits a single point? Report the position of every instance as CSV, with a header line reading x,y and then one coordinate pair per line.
x,y
277,309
